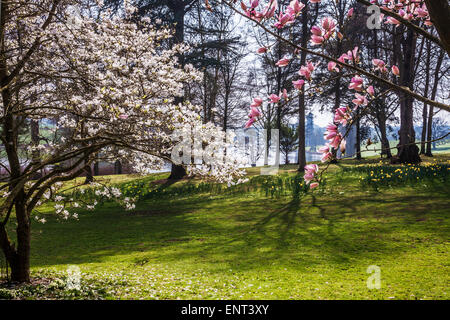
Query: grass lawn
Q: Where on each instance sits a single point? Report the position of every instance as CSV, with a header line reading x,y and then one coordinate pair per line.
x,y
249,246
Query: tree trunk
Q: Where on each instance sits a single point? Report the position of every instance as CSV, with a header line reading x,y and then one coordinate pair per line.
x,y
89,176
18,258
433,96
96,168
439,11
425,94
358,135
117,167
385,147
20,264
178,171
408,152
301,99
35,140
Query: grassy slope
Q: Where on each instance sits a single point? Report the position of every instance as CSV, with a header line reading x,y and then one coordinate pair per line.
x,y
251,247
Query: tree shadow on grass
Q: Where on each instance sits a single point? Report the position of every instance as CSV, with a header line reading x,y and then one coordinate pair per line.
x,y
238,233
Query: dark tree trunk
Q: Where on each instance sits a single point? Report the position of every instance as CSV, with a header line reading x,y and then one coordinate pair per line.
x,y
358,135
20,264
408,152
301,99
425,94
18,257
177,172
117,167
433,96
88,170
428,151
301,134
178,8
424,128
35,140
385,147
225,112
96,168
439,11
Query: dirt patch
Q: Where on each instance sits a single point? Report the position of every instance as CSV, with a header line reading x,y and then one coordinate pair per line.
x,y
162,181
33,282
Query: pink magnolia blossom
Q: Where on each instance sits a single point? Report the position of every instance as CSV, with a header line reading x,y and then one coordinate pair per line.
x,y
350,13
360,100
340,116
332,127
274,98
332,131
332,66
356,83
284,19
298,84
315,30
328,24
316,40
254,113
353,55
395,71
310,172
254,3
325,149
393,21
308,177
313,185
123,116
379,65
262,50
336,141
330,135
269,11
285,95
342,58
256,102
304,71
371,91
314,168
295,7
250,122
283,62
326,156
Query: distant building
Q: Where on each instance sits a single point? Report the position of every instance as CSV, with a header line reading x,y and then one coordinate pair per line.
x,y
309,131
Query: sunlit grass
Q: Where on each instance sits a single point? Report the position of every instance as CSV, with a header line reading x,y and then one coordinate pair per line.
x,y
249,245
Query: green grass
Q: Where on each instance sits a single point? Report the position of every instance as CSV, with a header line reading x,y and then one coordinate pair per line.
x,y
249,246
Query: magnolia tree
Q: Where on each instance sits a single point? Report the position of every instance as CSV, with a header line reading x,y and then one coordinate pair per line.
x,y
103,84
409,19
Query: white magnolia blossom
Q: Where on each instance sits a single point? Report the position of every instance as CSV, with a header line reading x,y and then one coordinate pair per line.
x,y
104,85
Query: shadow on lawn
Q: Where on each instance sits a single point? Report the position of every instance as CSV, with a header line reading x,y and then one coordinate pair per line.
x,y
249,233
